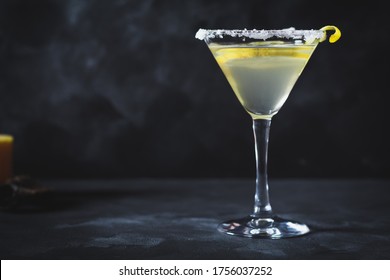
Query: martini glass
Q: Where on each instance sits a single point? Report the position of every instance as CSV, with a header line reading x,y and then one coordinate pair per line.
x,y
262,67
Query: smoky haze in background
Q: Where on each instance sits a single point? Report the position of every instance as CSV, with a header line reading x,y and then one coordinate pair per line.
x,y
123,89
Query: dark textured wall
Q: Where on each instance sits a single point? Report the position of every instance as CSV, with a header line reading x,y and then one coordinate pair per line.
x,y
123,89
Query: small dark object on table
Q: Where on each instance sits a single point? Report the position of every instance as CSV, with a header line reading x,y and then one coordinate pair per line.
x,y
18,191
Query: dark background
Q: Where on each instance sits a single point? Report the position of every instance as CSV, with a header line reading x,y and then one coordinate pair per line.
x,y
97,89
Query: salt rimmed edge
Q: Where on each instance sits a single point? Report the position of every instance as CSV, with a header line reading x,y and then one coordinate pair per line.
x,y
289,33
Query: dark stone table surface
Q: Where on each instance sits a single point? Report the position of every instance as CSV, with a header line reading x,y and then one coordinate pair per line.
x,y
176,219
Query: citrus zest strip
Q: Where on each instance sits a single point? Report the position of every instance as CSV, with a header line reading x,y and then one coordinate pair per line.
x,y
334,37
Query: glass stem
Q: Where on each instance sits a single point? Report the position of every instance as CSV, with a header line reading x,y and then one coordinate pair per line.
x,y
262,207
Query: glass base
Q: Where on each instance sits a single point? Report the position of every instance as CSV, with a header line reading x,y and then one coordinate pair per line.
x,y
271,228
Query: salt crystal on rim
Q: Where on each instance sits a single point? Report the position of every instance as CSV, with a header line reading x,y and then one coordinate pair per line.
x,y
290,33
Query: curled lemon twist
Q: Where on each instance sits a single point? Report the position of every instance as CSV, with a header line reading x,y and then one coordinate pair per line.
x,y
334,37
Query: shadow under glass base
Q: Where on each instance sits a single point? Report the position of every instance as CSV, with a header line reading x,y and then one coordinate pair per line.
x,y
271,228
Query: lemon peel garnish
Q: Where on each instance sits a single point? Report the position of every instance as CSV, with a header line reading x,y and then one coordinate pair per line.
x,y
334,37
